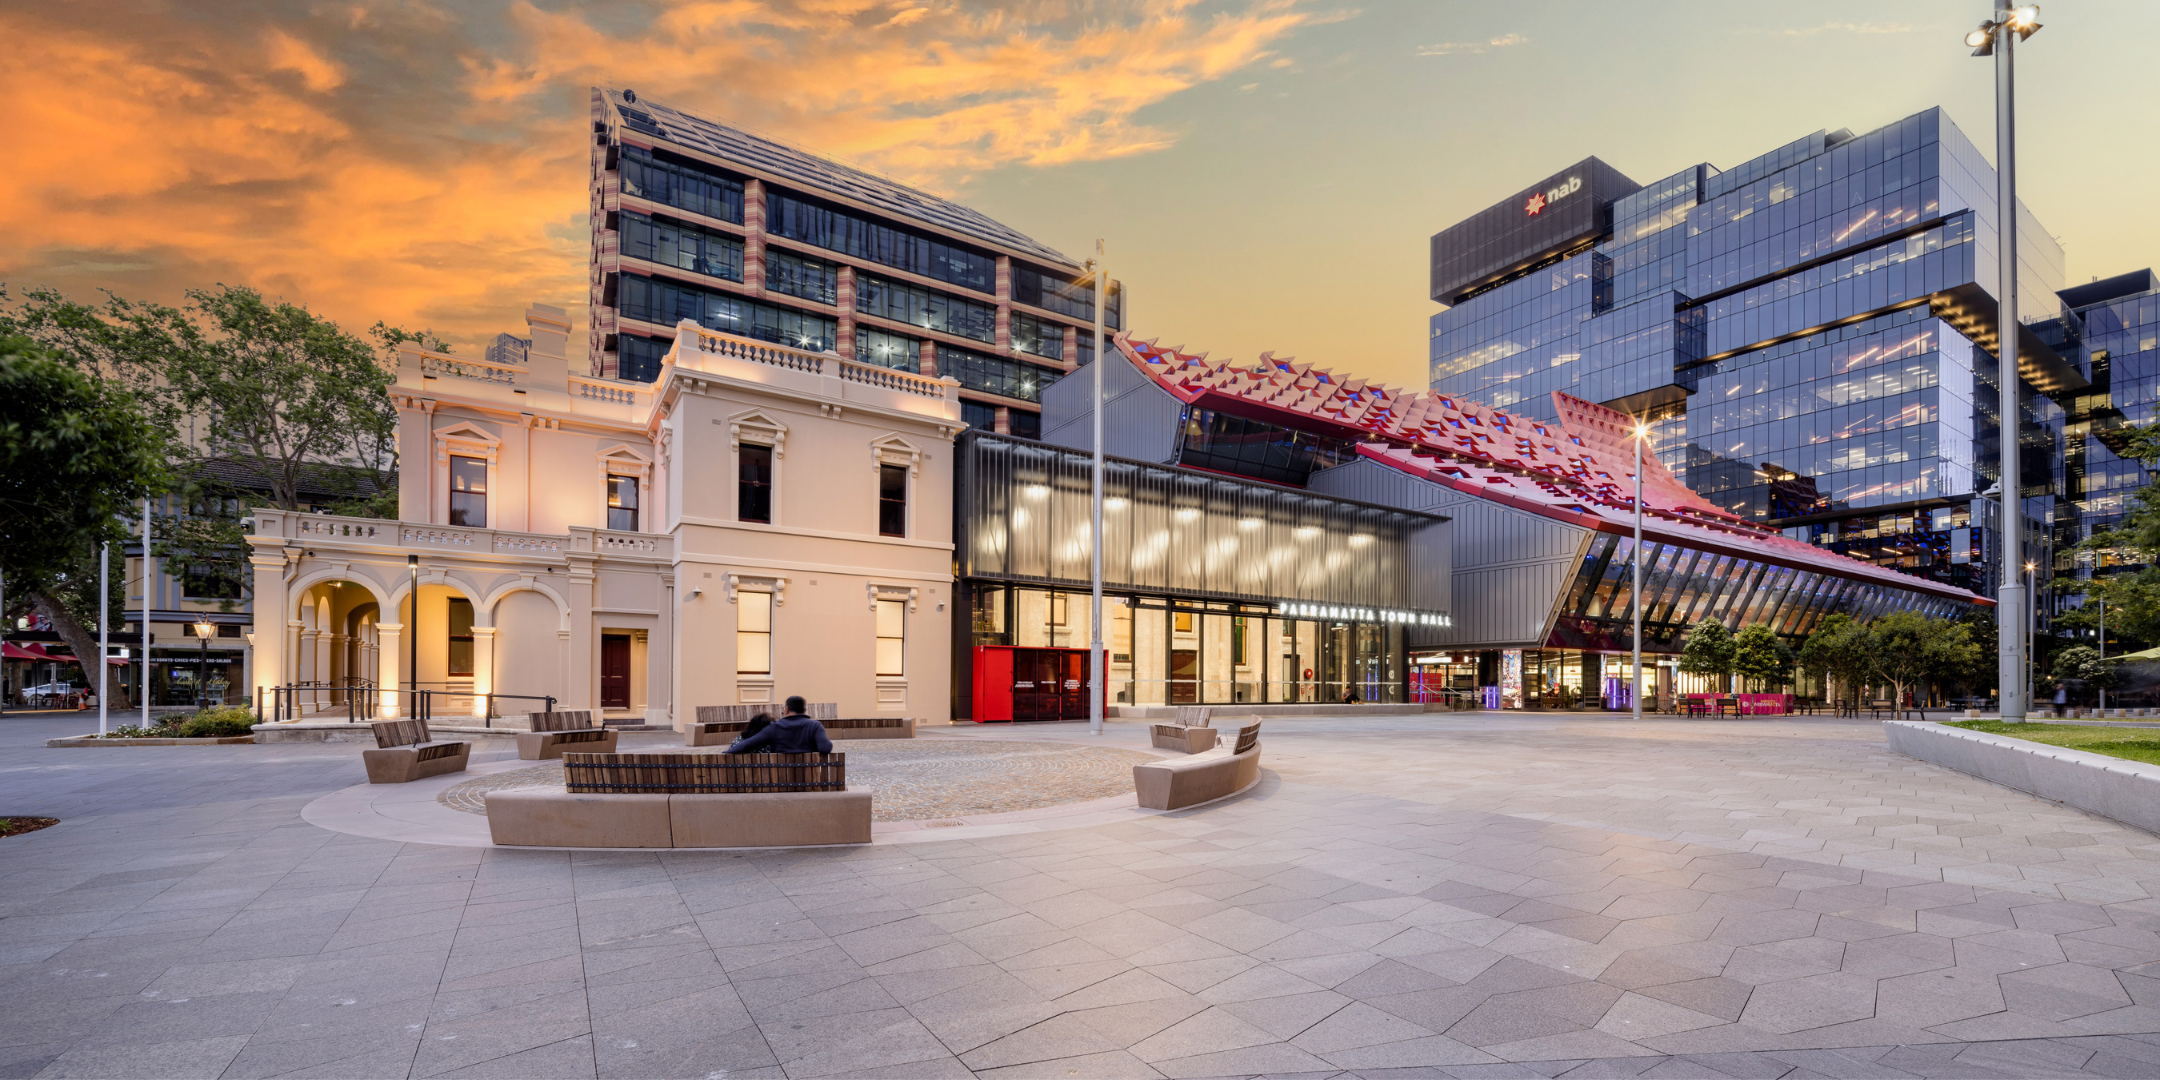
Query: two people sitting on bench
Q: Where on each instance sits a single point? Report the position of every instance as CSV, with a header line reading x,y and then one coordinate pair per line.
x,y
794,733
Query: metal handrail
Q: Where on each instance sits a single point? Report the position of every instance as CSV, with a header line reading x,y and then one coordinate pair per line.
x,y
363,701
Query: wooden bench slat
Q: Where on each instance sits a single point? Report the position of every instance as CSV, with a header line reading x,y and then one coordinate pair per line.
x,y
702,774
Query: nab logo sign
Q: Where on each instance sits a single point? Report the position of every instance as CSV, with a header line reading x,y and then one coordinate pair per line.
x,y
1539,199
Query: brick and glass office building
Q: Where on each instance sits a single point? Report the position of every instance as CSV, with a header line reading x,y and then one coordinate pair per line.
x,y
1811,334
693,219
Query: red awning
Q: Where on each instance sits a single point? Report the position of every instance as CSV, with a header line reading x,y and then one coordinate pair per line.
x,y
12,651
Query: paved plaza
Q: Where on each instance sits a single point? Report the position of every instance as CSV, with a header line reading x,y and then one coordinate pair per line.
x,y
1458,895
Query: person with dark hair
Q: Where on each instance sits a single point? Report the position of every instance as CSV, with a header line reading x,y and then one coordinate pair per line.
x,y
757,723
794,733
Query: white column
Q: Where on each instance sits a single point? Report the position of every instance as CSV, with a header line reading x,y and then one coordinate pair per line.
x,y
387,659
483,666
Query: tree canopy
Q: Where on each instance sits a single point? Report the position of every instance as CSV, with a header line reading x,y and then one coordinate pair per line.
x,y
1709,651
75,455
1761,657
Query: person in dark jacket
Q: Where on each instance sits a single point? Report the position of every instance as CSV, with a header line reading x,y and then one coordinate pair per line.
x,y
794,733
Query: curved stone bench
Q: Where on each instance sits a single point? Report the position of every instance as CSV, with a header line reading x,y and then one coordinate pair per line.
x,y
528,817
687,800
1175,784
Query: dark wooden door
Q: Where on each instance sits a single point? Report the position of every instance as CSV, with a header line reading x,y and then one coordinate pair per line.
x,y
1184,676
614,671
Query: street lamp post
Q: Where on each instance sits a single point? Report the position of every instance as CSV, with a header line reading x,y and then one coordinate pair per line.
x,y
1998,37
204,629
1635,575
1098,671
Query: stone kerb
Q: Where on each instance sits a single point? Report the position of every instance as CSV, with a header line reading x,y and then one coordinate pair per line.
x,y
2127,791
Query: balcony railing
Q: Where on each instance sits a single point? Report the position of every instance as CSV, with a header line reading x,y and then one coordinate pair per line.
x,y
326,528
708,342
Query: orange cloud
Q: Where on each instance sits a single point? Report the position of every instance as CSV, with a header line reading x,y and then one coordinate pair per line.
x,y
428,165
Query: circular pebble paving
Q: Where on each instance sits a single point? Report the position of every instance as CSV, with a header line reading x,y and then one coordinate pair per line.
x,y
918,779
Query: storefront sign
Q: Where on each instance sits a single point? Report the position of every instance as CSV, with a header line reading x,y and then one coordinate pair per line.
x,y
1539,200
1511,678
1359,614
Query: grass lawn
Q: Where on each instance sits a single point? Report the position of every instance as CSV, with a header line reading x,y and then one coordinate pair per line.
x,y
2134,744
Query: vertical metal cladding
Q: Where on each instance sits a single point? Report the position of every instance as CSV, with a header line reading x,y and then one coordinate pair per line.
x,y
1167,530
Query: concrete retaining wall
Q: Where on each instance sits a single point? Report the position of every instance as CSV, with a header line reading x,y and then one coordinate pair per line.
x,y
2128,791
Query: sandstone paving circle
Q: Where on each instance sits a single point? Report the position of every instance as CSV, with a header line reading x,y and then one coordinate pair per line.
x,y
920,778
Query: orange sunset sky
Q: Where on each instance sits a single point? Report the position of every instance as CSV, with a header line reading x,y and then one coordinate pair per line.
x,y
1266,172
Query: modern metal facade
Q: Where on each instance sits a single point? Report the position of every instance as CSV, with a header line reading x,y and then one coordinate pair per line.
x,y
694,219
1807,333
1219,589
1540,510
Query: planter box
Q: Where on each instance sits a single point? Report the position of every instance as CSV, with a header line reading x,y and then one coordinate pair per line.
x,y
92,740
2127,791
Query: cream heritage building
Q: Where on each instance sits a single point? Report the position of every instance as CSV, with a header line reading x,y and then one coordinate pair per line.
x,y
758,521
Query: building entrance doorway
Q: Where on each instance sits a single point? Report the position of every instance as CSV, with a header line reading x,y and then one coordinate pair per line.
x,y
614,671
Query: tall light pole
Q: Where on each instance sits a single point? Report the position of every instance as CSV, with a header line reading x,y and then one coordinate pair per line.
x,y
1635,576
1096,668
1998,37
148,581
203,629
104,628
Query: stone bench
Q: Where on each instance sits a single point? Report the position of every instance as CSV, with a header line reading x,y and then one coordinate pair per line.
x,y
555,733
718,725
687,800
1191,730
404,753
1175,784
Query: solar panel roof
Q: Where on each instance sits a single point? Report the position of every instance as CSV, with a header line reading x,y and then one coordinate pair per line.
x,y
818,174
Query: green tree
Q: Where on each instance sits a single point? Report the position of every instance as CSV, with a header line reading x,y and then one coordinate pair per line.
x,y
1837,652
1709,651
2083,667
1907,649
75,455
278,389
1762,658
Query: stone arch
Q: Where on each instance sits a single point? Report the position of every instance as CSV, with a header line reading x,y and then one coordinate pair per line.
x,y
453,580
526,583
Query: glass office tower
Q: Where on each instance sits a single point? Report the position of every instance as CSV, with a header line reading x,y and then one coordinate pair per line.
x,y
1810,335
2113,326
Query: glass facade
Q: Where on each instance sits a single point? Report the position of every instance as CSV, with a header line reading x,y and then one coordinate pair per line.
x,y
1073,298
1683,586
1172,651
1789,329
680,184
850,233
685,247
1223,443
927,308
666,302
1217,590
995,374
808,279
2117,333
1024,515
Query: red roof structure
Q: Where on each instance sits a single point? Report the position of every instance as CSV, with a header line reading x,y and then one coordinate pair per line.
x,y
1579,470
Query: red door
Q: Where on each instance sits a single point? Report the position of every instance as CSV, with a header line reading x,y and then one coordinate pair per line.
x,y
614,671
